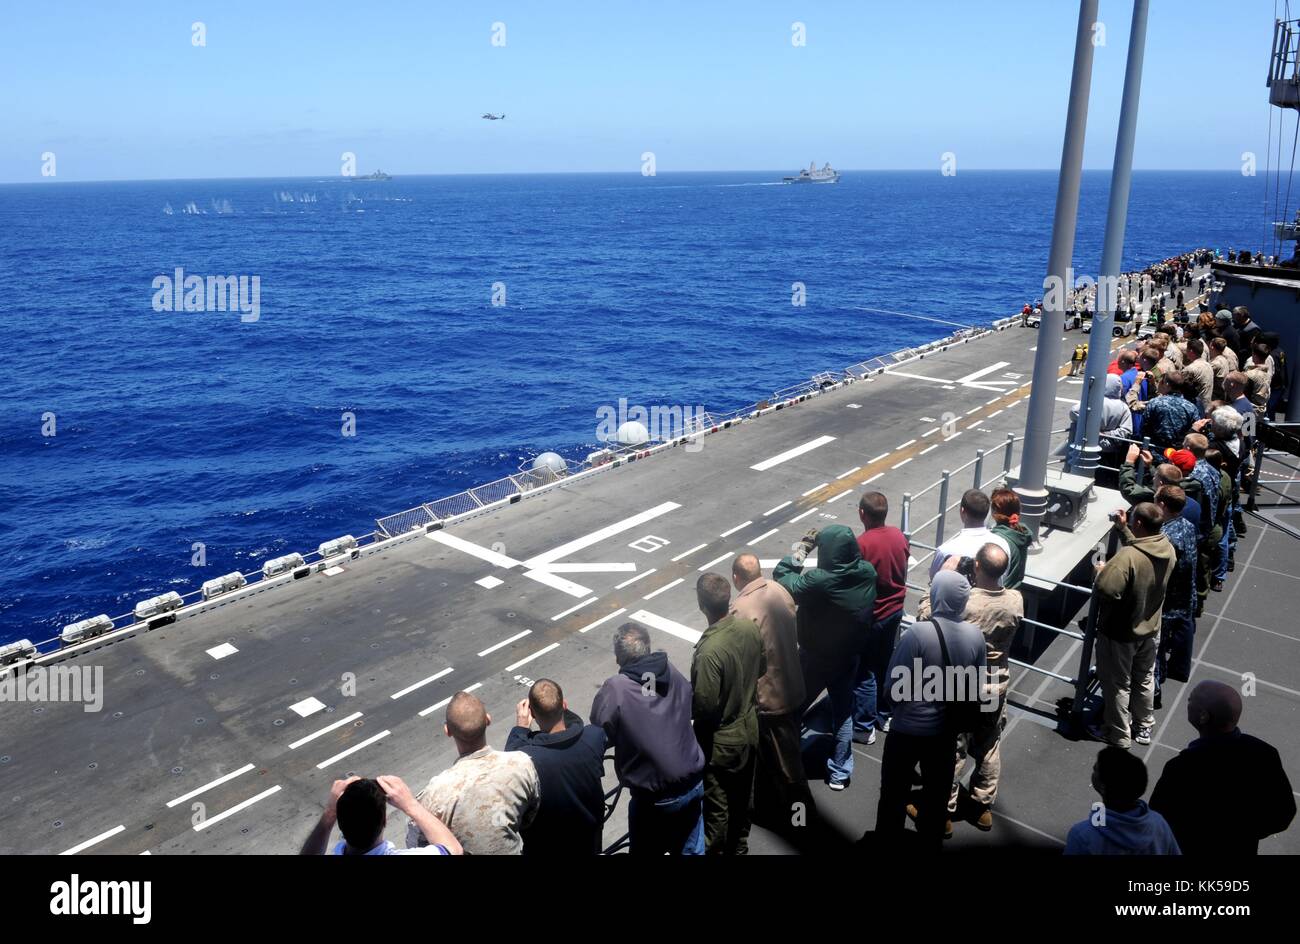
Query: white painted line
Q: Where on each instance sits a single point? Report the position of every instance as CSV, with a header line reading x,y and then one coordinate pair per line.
x,y
729,533
472,549
601,568
644,573
697,547
332,571
504,642
666,625
770,511
904,445
716,560
991,402
792,453
837,497
527,659
208,786
926,419
446,701
873,478
668,586
420,684
901,464
930,432
996,413
1073,401
976,410
856,406
308,706
90,842
980,373
548,579
573,609
223,650
604,619
952,437
928,449
325,730
595,537
973,425
765,534
844,475
813,489
489,582
883,455
238,807
353,749
804,515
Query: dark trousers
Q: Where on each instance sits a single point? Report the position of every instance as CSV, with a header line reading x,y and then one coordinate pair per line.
x,y
779,778
727,794
903,753
1174,656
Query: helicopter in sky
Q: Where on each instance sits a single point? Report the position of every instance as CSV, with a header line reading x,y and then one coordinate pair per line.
x,y
491,117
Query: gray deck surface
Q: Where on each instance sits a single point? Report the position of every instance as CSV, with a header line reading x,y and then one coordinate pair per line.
x,y
175,718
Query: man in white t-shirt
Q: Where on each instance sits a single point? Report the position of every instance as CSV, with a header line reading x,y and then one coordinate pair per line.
x,y
360,808
974,533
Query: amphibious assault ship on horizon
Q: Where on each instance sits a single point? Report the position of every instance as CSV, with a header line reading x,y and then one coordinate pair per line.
x,y
812,175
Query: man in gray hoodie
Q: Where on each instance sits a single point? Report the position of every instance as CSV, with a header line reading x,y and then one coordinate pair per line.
x,y
926,686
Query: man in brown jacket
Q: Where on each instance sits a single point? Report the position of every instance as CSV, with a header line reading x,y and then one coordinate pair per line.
x,y
779,781
1130,590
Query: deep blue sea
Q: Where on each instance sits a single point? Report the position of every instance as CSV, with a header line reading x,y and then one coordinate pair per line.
x,y
376,298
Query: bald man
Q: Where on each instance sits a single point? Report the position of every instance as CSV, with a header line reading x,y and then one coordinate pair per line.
x,y
486,797
779,778
1226,790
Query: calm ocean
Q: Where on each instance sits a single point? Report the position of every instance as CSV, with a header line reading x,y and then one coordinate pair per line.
x,y
376,299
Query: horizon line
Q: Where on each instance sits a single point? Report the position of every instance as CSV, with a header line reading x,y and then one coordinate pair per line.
x,y
633,173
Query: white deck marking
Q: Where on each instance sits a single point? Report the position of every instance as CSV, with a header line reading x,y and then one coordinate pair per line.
x,y
223,650
772,511
698,547
938,380
504,642
729,533
587,540
325,730
928,449
799,517
873,478
548,579
904,445
308,706
535,655
952,437
931,432
837,497
472,549
644,573
844,475
973,425
573,609
238,808
604,619
420,684
489,582
1073,401
668,586
663,624
792,453
927,419
856,406
765,534
901,464
813,489
883,455
90,842
352,750
208,786
625,567
995,413
976,410
332,571
981,372
991,402
447,701
716,560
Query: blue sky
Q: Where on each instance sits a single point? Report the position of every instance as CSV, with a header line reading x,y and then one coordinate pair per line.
x,y
117,90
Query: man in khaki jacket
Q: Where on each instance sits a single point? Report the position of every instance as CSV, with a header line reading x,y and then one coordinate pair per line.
x,y
779,779
1130,588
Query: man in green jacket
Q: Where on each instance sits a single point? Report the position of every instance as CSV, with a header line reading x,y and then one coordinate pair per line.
x,y
728,662
835,599
1130,591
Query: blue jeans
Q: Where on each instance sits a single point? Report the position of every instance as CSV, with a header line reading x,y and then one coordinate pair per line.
x,y
666,823
839,687
1229,541
871,705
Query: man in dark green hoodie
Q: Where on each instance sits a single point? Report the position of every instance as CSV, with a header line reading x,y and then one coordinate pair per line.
x,y
835,601
728,662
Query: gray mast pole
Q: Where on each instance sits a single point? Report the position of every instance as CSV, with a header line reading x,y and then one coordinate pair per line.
x,y
1042,395
1087,446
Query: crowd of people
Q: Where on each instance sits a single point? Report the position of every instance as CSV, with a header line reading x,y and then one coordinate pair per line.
x,y
703,751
